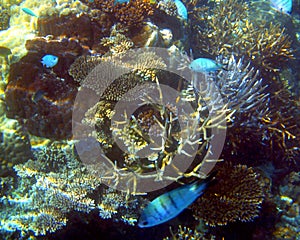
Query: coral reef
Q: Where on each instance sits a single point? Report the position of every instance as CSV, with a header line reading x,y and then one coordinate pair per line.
x,y
288,205
81,28
14,146
127,74
46,194
169,7
228,30
4,18
128,14
237,195
185,233
239,86
50,114
117,42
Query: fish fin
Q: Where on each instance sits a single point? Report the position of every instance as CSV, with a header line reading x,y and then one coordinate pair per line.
x,y
200,186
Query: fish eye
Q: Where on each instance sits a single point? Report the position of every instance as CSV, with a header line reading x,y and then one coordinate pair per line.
x,y
145,223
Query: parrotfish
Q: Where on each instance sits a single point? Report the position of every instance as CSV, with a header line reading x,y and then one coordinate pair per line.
x,y
181,9
49,60
284,6
29,12
204,65
170,204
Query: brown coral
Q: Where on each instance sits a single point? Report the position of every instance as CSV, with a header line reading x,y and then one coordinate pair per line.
x,y
4,18
134,12
49,115
128,14
236,196
227,29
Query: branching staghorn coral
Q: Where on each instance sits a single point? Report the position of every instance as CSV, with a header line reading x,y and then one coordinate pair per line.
x,y
236,196
238,85
226,29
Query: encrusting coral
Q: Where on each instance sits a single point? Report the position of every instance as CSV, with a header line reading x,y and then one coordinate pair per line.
x,y
236,195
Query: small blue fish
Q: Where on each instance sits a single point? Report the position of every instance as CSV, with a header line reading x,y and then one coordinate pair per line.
x,y
181,9
284,6
49,60
38,95
29,12
121,1
204,65
170,204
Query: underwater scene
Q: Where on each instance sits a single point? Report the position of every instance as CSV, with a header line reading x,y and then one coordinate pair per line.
x,y
144,119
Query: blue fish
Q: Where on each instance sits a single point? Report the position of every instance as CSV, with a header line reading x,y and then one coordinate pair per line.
x,y
170,204
38,95
284,6
29,12
121,1
49,60
204,65
181,9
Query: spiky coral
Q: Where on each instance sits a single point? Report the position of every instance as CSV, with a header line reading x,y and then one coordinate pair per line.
x,y
226,29
236,196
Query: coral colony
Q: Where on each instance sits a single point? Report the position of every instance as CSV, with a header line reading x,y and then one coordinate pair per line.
x,y
240,72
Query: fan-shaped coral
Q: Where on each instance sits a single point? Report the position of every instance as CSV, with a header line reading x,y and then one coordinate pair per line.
x,y
236,196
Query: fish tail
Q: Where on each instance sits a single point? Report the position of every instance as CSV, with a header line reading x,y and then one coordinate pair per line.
x,y
202,185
